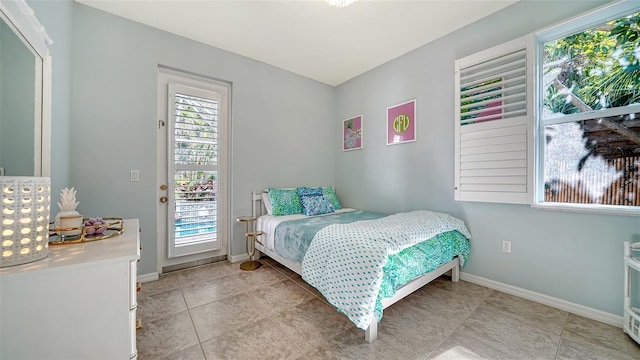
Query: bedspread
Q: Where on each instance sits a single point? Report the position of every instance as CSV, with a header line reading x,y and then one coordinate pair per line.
x,y
292,237
345,261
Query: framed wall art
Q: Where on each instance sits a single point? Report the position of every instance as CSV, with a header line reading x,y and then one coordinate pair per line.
x,y
401,123
352,133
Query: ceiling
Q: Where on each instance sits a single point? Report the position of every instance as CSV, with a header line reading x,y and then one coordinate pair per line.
x,y
308,37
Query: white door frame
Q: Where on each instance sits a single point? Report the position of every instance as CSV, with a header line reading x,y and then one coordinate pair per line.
x,y
166,75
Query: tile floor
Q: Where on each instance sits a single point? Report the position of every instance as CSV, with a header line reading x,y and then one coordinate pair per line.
x,y
218,311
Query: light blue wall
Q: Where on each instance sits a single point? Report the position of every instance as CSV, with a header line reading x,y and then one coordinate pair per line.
x,y
572,256
281,123
57,17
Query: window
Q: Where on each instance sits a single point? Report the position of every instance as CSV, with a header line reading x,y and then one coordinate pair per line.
x,y
576,112
589,112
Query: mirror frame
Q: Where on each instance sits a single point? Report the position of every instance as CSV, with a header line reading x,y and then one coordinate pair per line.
x,y
21,18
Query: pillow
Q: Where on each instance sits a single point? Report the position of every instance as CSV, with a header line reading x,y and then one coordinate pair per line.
x,y
304,192
266,201
330,193
316,205
284,202
308,191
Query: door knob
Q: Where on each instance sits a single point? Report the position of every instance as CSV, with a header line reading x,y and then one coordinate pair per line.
x,y
163,199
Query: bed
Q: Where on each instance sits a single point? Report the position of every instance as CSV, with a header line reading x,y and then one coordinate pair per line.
x,y
362,262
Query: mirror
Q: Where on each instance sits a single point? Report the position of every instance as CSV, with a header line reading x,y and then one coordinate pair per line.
x,y
25,92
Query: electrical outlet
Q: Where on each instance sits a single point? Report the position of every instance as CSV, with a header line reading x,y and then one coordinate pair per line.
x,y
506,246
135,175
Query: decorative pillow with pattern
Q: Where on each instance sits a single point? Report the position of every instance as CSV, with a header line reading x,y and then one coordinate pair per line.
x,y
330,193
305,192
316,205
284,202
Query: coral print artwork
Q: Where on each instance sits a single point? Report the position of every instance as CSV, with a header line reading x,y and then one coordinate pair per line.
x,y
352,133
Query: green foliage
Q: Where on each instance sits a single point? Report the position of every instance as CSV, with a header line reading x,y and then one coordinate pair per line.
x,y
600,66
195,186
480,89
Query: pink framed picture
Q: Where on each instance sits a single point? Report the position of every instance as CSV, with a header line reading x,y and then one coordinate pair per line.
x,y
352,133
401,123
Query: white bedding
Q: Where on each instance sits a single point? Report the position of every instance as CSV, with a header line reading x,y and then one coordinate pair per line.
x,y
268,223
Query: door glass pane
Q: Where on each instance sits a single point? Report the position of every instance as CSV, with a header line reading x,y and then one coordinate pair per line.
x,y
195,206
195,130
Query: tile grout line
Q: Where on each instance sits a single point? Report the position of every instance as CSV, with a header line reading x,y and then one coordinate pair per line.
x,y
188,311
286,278
460,324
393,347
270,315
288,339
180,285
192,322
294,281
514,316
314,296
564,325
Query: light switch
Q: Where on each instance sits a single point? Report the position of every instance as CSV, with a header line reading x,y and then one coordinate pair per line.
x,y
135,175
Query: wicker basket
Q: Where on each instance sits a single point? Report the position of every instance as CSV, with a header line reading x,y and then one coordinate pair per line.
x,y
25,219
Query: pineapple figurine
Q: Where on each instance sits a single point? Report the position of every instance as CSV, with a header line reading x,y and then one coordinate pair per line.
x,y
68,217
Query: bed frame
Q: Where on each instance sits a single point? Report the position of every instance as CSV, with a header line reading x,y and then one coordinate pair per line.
x,y
452,268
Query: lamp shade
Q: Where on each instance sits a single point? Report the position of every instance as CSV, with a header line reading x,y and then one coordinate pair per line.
x,y
25,219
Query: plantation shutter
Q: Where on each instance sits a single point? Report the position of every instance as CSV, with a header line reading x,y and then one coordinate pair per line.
x,y
196,130
193,170
494,124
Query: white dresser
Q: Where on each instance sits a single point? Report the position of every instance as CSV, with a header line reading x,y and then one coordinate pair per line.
x,y
78,303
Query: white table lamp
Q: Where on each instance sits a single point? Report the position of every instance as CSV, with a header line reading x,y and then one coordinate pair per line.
x,y
25,219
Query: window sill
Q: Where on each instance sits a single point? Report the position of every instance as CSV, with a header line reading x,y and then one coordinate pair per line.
x,y
590,208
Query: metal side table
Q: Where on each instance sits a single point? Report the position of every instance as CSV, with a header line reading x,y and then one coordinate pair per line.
x,y
250,243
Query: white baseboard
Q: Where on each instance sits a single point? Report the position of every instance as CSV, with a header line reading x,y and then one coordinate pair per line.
x,y
594,314
148,277
239,258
